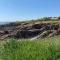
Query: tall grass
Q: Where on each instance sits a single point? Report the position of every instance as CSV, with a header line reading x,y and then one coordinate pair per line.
x,y
45,49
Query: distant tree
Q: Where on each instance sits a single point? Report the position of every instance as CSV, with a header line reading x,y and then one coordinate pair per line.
x,y
59,17
33,21
47,18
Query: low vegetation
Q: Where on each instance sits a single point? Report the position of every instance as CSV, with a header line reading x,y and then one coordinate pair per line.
x,y
42,49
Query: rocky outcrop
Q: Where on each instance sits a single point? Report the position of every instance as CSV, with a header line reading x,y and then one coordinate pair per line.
x,y
29,30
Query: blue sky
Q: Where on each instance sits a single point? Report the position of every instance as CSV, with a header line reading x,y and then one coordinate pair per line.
x,y
18,10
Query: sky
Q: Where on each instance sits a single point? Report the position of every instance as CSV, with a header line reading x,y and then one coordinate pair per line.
x,y
19,10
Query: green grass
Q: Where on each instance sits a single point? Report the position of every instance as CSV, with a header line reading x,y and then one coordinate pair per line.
x,y
44,49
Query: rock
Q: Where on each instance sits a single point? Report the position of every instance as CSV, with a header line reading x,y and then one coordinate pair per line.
x,y
29,30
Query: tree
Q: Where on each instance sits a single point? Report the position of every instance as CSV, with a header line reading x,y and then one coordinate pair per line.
x,y
47,18
59,17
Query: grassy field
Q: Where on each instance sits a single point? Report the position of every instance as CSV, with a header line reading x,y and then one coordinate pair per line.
x,y
42,49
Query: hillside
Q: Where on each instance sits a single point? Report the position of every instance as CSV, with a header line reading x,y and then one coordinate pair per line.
x,y
30,40
33,29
